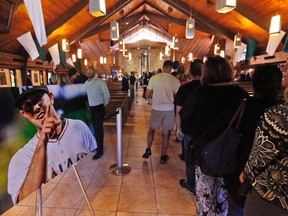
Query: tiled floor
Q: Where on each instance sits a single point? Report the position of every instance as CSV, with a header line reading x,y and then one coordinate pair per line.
x,y
150,188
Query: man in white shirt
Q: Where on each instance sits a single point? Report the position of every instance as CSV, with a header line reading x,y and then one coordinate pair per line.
x,y
98,97
162,88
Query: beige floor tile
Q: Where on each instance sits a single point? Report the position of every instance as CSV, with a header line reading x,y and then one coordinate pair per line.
x,y
102,198
103,177
137,199
84,212
139,178
139,163
135,214
170,179
65,196
174,201
20,211
53,212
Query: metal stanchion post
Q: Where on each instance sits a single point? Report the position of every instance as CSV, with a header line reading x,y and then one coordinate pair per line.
x,y
119,168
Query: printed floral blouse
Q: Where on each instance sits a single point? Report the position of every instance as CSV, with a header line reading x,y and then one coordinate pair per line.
x,y
267,165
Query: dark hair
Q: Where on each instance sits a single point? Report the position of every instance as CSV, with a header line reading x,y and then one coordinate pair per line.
x,y
266,81
71,72
181,69
216,70
175,64
195,67
168,63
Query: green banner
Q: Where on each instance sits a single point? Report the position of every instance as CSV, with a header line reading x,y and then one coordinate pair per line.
x,y
251,47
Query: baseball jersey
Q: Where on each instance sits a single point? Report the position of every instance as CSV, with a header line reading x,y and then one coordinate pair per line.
x,y
74,142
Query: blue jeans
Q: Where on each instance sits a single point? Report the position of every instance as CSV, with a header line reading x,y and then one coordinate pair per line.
x,y
190,168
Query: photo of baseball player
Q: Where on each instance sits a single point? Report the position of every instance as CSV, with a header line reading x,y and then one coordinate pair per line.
x,y
57,144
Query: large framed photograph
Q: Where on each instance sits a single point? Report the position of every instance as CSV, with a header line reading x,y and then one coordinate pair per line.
x,y
5,78
6,8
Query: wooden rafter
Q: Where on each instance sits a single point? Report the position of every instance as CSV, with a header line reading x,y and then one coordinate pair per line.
x,y
98,21
183,8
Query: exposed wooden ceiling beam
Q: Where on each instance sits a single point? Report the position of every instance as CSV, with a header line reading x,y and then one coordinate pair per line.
x,y
184,8
199,26
98,21
65,17
131,20
245,11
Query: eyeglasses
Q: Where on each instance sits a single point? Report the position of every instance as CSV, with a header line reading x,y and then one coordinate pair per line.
x,y
28,104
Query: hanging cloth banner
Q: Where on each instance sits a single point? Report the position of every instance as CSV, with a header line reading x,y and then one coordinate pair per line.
x,y
70,62
273,42
251,47
239,53
27,42
62,55
34,8
54,52
285,48
41,50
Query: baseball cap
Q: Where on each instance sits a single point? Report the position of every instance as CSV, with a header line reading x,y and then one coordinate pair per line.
x,y
22,92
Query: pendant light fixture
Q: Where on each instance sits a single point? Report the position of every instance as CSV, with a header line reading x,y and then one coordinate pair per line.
x,y
176,42
121,45
79,53
114,30
216,49
190,56
237,40
225,6
73,57
167,50
190,27
85,62
65,45
97,7
275,26
161,56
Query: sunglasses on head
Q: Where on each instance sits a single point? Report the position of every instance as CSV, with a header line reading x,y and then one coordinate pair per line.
x,y
31,101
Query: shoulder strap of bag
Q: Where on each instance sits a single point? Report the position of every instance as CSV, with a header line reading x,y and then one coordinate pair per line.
x,y
239,113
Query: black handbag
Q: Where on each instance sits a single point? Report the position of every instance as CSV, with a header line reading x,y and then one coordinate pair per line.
x,y
218,156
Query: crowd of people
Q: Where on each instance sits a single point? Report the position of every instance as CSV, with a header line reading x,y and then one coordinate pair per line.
x,y
189,100
259,186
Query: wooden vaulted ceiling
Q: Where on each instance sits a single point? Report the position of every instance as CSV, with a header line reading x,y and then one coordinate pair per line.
x,y
71,19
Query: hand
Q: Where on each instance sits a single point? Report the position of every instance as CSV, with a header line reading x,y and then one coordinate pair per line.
x,y
49,125
179,135
241,177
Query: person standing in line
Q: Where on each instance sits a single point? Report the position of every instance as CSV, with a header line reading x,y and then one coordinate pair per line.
x,y
216,94
182,132
144,81
76,77
266,85
98,97
125,82
174,70
162,88
266,169
58,143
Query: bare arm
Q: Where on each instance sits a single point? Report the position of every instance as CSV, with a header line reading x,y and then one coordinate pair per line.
x,y
37,173
179,133
148,93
